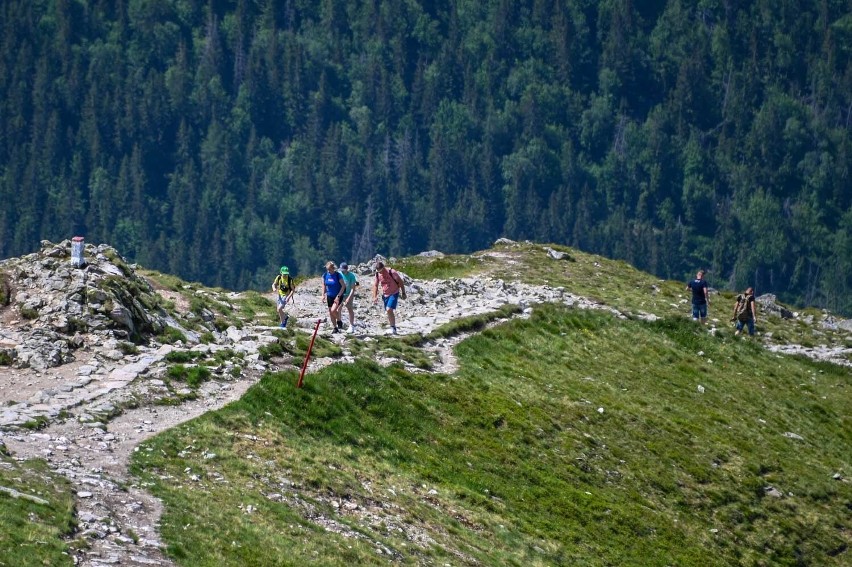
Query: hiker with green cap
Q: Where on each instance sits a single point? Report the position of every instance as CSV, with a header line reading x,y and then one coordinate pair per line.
x,y
283,284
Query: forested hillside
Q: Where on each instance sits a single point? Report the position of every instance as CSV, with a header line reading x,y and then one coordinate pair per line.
x,y
217,139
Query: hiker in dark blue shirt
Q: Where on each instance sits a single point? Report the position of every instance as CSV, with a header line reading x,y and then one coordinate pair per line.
x,y
333,287
700,297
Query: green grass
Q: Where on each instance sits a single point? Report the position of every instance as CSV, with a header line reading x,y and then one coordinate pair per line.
x,y
166,281
183,356
633,292
407,348
193,376
423,268
255,307
510,461
171,335
472,323
31,533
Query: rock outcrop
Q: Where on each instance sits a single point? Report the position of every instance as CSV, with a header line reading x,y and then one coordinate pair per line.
x,y
54,305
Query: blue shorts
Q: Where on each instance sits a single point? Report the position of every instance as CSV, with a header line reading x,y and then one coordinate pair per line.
x,y
282,300
699,310
390,300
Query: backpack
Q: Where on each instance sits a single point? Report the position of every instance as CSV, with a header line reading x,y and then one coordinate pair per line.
x,y
741,311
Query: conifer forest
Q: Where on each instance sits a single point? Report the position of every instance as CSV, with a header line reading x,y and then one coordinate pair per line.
x,y
219,139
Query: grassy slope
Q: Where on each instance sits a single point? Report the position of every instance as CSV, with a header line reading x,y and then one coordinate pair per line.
x,y
511,462
511,480
31,532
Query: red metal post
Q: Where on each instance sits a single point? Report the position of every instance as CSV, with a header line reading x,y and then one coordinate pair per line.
x,y
308,354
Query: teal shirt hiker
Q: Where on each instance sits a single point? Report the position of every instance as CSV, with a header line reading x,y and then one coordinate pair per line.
x,y
350,280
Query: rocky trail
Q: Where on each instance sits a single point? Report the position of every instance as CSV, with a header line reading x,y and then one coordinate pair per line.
x,y
79,396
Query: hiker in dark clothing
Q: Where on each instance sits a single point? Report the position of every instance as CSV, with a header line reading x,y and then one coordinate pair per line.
x,y
745,311
700,297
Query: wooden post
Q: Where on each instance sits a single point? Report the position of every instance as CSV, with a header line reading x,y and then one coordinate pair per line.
x,y
308,354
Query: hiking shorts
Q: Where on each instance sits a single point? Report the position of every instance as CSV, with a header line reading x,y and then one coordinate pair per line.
x,y
390,301
330,300
699,310
282,300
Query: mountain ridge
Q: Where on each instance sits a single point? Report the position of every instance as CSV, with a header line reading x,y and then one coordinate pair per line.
x,y
136,394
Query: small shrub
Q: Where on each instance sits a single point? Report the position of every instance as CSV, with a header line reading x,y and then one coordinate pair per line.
x,y
198,304
5,290
177,372
236,371
226,354
5,358
182,356
127,348
207,338
193,376
272,349
171,335
196,375
169,401
29,313
37,423
76,325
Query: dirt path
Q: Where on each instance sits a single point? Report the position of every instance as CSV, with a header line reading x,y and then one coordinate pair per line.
x,y
117,517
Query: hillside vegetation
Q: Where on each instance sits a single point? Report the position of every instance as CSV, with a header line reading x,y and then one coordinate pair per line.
x,y
566,437
218,140
600,427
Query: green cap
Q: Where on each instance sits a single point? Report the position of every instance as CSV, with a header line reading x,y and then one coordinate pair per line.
x,y
284,270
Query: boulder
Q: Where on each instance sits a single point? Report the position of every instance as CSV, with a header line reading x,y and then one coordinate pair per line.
x,y
769,304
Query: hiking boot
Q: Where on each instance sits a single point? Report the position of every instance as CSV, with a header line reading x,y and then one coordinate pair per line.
x,y
393,331
340,325
351,329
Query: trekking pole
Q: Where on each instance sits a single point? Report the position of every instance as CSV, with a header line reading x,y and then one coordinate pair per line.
x,y
308,354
